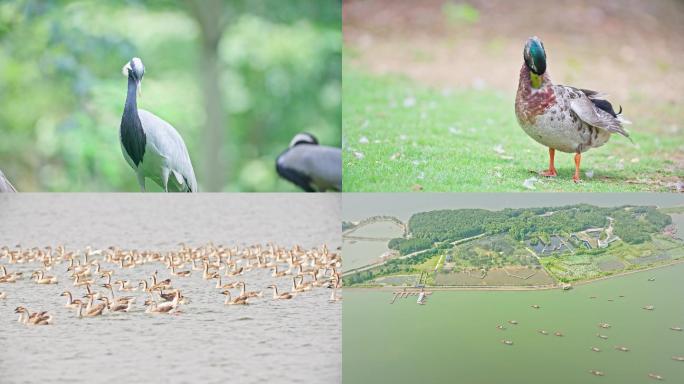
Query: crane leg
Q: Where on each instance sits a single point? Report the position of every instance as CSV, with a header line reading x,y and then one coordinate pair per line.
x,y
165,178
141,181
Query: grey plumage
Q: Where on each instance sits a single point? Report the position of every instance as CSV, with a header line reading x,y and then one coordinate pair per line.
x,y
5,185
311,166
150,145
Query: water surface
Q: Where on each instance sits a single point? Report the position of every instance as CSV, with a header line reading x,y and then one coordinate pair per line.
x,y
298,340
453,339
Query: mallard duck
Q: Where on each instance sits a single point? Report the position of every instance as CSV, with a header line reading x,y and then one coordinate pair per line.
x,y
563,118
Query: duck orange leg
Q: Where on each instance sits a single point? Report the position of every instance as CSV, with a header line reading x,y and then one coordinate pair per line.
x,y
576,176
552,170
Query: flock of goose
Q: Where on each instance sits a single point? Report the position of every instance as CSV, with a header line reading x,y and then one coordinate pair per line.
x,y
224,268
601,336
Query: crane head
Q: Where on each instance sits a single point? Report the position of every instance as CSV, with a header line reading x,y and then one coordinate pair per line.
x,y
303,138
136,70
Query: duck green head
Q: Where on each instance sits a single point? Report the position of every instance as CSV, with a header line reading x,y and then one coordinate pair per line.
x,y
535,56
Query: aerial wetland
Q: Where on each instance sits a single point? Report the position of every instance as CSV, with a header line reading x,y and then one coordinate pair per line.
x,y
570,294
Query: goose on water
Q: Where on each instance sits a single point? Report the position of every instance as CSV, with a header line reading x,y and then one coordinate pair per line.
x,y
150,145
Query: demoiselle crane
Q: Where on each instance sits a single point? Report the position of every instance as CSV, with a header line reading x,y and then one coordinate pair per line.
x,y
150,145
311,166
5,185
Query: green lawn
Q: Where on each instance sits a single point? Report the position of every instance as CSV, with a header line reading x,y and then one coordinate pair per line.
x,y
400,136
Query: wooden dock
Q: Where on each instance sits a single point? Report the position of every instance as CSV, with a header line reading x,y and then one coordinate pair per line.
x,y
408,292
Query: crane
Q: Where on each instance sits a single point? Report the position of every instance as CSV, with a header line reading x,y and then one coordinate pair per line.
x,y
150,145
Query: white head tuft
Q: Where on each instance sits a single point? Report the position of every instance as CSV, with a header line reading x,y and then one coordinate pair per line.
x,y
303,138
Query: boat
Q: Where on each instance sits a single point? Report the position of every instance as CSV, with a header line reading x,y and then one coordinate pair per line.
x,y
676,328
649,307
507,342
655,376
514,322
595,349
678,358
604,337
622,348
596,373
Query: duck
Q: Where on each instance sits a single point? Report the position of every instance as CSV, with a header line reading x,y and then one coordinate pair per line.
x,y
334,298
35,318
220,285
167,307
71,303
117,306
245,293
240,300
560,117
90,312
280,296
42,279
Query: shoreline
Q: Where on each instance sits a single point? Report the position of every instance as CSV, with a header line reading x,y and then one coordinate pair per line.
x,y
520,287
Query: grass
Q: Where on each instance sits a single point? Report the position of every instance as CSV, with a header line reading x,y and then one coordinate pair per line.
x,y
400,136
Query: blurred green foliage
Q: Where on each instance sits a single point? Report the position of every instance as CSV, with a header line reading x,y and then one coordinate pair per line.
x,y
62,91
460,13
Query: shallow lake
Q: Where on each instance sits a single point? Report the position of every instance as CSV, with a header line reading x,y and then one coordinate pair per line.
x,y
358,253
454,339
296,340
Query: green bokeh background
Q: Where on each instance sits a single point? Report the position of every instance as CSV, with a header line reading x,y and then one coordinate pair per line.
x,y
62,91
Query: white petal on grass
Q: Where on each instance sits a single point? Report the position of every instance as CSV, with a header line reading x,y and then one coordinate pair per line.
x,y
589,173
403,137
499,149
454,131
359,155
409,102
363,140
529,183
421,175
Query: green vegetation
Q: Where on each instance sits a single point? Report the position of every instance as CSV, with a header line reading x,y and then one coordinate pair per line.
x,y
400,136
504,256
62,91
632,224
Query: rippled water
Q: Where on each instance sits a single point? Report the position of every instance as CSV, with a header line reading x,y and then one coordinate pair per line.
x,y
297,340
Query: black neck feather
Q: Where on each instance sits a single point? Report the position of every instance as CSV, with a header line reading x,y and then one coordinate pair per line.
x,y
132,134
